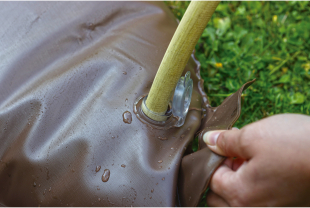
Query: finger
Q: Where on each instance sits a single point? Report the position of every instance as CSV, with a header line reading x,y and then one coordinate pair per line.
x,y
228,143
214,200
220,178
210,138
226,182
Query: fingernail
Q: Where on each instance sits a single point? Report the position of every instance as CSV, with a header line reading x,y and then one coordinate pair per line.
x,y
210,137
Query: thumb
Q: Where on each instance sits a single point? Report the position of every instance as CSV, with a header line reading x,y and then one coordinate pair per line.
x,y
228,143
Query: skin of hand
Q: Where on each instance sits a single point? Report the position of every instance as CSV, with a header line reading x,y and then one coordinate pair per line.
x,y
268,163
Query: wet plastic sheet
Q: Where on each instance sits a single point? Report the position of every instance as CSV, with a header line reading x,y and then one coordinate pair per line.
x,y
70,73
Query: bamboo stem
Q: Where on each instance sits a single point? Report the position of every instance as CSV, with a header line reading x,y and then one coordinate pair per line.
x,y
177,55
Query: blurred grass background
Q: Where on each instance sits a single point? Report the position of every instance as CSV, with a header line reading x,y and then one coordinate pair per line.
x,y
269,41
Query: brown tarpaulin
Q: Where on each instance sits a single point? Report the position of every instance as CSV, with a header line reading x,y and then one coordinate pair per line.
x,y
68,73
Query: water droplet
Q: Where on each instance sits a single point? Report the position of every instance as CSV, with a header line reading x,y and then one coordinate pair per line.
x,y
113,137
125,73
126,100
98,188
163,138
99,199
163,178
188,129
160,161
127,118
50,189
106,175
172,148
34,184
150,197
98,168
123,166
182,136
152,190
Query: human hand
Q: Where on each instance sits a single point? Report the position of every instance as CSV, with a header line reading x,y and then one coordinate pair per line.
x,y
272,167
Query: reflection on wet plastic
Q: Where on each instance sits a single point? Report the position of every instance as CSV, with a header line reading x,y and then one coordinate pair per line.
x,y
106,175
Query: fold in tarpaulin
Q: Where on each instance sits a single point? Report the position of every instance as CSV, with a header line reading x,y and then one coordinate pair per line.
x,y
197,168
70,73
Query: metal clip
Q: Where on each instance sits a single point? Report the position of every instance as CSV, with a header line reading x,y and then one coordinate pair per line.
x,y
182,98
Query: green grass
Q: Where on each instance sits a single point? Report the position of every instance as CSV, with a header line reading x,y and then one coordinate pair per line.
x,y
269,41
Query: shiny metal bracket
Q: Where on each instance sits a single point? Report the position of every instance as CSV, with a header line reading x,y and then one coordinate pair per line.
x,y
182,98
